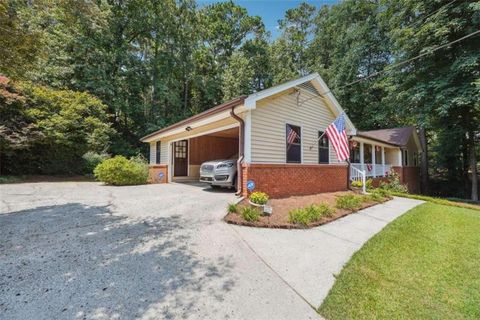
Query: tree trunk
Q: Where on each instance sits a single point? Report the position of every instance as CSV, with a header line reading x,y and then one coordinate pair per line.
x,y
473,167
424,163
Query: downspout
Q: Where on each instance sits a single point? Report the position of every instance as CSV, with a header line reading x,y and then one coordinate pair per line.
x,y
241,147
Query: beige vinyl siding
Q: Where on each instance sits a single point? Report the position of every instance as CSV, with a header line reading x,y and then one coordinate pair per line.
x,y
270,118
163,152
153,150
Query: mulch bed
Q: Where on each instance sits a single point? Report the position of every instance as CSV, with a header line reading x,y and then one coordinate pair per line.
x,y
281,207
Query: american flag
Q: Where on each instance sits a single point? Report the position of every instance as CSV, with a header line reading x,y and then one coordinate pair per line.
x,y
338,136
292,135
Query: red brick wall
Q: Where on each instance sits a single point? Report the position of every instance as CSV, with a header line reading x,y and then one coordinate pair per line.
x,y
409,176
284,180
154,172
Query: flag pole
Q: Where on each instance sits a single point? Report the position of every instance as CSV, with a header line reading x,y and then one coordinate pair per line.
x,y
321,136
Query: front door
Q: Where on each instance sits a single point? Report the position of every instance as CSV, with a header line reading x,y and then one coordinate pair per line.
x,y
180,154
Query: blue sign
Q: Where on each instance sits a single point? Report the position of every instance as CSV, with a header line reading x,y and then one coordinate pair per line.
x,y
250,185
161,175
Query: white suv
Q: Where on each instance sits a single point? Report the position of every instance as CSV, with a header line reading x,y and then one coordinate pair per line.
x,y
219,173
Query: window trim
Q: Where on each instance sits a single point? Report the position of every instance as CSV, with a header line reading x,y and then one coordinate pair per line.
x,y
158,148
328,148
286,143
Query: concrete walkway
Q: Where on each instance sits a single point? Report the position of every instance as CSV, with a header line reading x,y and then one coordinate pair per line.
x,y
308,260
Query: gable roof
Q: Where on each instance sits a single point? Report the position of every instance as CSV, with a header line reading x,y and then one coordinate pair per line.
x,y
396,136
317,82
250,103
209,112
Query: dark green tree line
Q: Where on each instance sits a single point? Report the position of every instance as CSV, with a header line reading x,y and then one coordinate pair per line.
x,y
153,62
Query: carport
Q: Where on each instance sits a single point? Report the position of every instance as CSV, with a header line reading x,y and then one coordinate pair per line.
x,y
177,152
188,154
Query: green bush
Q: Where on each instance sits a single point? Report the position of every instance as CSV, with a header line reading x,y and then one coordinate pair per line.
x,y
349,202
375,196
299,216
92,160
393,183
259,197
310,214
122,171
250,214
232,208
359,184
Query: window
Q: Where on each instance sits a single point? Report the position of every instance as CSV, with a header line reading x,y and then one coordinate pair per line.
x,y
355,152
405,158
157,149
294,144
367,153
323,150
415,158
378,155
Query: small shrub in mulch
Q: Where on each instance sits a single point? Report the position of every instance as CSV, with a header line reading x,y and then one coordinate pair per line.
x,y
312,213
304,211
260,198
250,214
232,208
350,202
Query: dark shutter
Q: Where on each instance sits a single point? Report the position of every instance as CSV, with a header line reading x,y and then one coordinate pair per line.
x,y
323,151
157,149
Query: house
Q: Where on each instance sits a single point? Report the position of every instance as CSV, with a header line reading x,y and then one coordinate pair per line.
x,y
254,129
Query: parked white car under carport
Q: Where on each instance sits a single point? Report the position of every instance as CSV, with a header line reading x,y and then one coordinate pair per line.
x,y
219,173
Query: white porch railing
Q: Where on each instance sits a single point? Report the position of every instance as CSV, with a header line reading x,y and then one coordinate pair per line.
x,y
371,170
358,175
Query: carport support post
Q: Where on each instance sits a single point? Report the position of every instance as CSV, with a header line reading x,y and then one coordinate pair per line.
x,y
241,149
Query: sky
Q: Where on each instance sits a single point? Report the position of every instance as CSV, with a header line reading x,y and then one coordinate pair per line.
x,y
271,10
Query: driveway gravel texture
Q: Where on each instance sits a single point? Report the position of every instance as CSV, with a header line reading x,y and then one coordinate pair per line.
x,y
82,250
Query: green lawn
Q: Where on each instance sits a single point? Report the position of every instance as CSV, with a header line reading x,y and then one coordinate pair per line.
x,y
424,265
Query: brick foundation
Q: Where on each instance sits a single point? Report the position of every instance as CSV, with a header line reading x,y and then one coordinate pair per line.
x,y
284,180
409,176
154,173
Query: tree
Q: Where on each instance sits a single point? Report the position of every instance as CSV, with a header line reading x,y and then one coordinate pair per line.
x,y
289,51
238,78
46,130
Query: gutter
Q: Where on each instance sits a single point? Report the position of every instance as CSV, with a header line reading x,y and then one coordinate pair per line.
x,y
241,144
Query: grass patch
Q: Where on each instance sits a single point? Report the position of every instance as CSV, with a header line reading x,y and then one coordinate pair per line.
x,y
349,202
250,214
441,201
11,179
424,265
312,213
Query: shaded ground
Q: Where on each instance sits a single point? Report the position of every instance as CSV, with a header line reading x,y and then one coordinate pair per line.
x,y
422,266
80,250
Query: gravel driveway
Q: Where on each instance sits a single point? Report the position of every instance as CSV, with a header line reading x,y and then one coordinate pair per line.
x,y
81,250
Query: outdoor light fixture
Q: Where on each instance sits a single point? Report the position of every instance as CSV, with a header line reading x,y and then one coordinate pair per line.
x,y
188,128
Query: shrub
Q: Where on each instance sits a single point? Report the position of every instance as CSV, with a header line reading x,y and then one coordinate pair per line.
x,y
93,159
299,216
310,214
250,214
349,202
259,197
359,184
375,196
232,208
393,183
121,171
